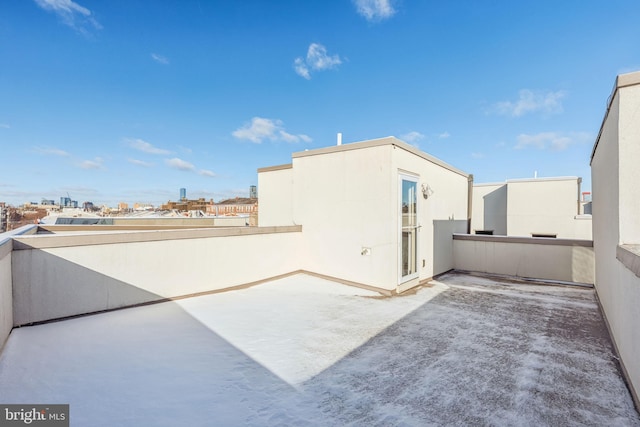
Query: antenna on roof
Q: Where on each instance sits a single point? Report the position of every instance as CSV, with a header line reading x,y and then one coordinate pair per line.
x,y
339,138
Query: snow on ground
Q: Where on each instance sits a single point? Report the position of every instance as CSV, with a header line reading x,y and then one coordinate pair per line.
x,y
306,351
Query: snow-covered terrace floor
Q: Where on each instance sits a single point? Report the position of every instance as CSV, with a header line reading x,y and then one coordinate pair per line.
x,y
303,351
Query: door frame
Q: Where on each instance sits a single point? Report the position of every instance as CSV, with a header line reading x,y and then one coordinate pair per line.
x,y
405,176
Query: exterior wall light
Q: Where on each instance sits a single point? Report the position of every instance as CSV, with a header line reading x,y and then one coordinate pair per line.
x,y
426,191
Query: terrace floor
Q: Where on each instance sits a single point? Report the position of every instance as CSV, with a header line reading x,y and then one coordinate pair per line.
x,y
303,351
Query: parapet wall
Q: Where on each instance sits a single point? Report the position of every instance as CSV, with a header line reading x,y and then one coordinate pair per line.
x,y
57,276
624,291
565,260
6,295
6,280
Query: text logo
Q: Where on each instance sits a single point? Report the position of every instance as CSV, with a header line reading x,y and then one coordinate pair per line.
x,y
34,415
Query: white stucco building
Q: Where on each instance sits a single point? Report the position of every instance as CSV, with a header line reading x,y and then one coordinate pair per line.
x,y
378,212
537,207
615,173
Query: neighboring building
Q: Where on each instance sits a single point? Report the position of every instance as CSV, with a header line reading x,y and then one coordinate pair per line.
x,y
537,207
377,212
185,205
66,202
237,206
253,192
123,207
616,221
3,218
142,207
183,194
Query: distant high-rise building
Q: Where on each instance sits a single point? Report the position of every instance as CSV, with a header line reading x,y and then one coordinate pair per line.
x,y
183,194
253,192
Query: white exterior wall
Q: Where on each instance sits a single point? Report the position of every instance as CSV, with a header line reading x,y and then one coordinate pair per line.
x,y
532,206
346,198
343,200
489,210
348,202
545,206
440,215
83,277
629,169
276,196
616,194
6,293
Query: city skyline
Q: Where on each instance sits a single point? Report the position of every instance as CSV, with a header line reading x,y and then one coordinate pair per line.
x,y
130,103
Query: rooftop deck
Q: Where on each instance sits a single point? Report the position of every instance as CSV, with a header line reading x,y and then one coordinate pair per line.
x,y
305,351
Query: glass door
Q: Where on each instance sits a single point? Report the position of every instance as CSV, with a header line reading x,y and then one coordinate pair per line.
x,y
408,228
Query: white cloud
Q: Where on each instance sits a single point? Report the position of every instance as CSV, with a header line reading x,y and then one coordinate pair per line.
x,y
317,60
555,141
374,10
145,147
477,155
412,137
179,164
301,68
444,135
531,102
92,164
261,129
71,14
4,126
139,163
160,59
51,151
208,173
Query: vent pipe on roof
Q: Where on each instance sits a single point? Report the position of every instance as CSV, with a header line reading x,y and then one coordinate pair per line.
x,y
339,138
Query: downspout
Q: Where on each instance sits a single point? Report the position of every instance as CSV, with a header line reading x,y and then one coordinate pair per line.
x,y
469,201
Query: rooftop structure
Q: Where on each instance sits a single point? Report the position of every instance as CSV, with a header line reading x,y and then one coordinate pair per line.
x,y
380,213
538,207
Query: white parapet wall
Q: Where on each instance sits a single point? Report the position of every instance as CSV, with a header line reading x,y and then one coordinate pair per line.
x,y
6,279
616,229
57,276
626,340
6,295
565,260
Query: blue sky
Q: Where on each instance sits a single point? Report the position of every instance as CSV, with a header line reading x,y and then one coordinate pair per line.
x,y
132,100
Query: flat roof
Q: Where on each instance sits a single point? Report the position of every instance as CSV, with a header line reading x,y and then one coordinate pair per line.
x,y
462,350
519,180
390,140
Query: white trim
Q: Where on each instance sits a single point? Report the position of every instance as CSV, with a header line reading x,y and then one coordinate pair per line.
x,y
404,176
